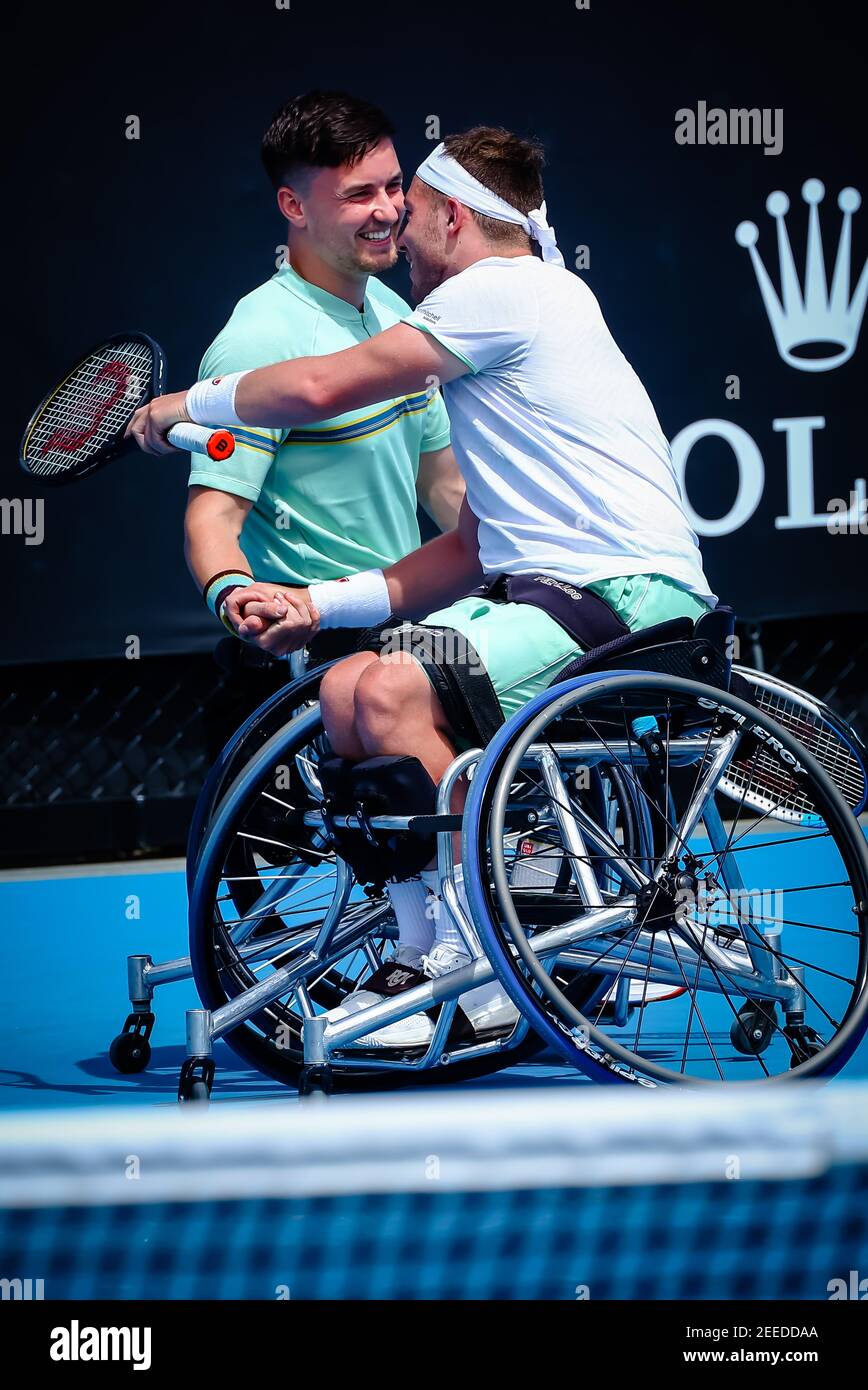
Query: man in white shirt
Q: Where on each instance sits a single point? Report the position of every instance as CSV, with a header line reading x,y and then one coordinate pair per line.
x,y
568,475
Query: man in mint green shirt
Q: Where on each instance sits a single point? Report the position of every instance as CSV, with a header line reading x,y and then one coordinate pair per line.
x,y
292,507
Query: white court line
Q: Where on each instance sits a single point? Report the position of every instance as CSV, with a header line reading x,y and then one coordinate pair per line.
x,y
164,866
110,870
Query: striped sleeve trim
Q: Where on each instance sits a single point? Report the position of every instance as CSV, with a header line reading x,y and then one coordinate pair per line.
x,y
363,427
252,439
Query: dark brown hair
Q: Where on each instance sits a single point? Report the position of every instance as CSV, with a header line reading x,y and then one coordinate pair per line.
x,y
321,130
507,165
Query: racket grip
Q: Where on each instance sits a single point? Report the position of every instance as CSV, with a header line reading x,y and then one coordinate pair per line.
x,y
217,444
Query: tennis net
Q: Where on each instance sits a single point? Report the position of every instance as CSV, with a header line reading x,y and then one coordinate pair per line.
x,y
501,1194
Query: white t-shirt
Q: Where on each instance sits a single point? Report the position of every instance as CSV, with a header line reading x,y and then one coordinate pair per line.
x,y
564,459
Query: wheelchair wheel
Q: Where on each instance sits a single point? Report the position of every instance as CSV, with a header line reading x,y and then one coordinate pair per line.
x,y
250,915
273,714
265,721
734,947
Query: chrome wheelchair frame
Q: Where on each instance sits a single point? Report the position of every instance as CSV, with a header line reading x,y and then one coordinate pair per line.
x,y
756,967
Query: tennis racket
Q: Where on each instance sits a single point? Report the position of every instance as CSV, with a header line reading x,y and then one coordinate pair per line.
x,y
760,781
79,426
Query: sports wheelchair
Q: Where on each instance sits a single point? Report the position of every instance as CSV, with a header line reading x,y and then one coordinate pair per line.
x,y
664,863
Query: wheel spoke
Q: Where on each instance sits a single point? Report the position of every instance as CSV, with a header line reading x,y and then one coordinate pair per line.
x,y
739,947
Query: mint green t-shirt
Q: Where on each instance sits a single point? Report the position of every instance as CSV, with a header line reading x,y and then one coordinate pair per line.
x,y
340,496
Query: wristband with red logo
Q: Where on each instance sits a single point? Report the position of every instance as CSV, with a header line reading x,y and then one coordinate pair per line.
x,y
357,600
213,402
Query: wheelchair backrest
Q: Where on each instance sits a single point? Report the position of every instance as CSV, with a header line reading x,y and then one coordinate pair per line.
x,y
678,647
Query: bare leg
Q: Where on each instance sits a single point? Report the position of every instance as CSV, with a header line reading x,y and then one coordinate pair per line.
x,y
379,705
336,695
397,711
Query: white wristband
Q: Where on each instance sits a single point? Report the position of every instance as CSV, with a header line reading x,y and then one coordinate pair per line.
x,y
213,402
361,600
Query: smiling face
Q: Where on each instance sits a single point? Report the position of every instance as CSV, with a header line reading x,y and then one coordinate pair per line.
x,y
352,213
423,239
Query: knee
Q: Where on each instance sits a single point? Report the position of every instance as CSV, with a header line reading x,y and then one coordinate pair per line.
x,y
337,690
389,694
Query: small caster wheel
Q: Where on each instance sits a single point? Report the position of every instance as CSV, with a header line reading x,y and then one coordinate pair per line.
x,y
752,1031
129,1052
196,1079
198,1092
805,1042
315,1081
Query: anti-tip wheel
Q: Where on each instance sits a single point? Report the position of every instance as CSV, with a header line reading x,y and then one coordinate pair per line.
x,y
316,1080
196,1092
752,1030
129,1053
196,1080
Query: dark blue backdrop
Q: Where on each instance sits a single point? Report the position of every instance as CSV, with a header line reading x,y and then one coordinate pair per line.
x,y
165,233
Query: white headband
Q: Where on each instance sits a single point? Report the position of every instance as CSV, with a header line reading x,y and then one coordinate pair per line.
x,y
444,173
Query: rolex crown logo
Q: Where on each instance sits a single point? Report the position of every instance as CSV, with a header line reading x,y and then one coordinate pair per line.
x,y
815,326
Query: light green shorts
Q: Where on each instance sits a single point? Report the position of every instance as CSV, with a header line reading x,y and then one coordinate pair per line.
x,y
523,649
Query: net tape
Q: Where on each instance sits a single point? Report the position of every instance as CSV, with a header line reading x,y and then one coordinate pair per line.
x,y
486,1140
507,1195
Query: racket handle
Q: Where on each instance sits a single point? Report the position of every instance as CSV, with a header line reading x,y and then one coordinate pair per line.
x,y
217,444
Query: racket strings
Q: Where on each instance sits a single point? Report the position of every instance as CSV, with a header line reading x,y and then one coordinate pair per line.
x,y
92,406
764,785
831,752
764,782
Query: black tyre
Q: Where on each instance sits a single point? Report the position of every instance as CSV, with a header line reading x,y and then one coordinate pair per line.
x,y
129,1053
228,879
810,954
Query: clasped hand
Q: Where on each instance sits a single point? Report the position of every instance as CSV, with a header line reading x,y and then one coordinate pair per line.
x,y
272,617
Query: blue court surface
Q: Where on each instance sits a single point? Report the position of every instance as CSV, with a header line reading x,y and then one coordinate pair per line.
x,y
63,983
568,1190
63,971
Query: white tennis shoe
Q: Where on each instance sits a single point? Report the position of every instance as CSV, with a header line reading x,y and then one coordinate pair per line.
x,y
486,1007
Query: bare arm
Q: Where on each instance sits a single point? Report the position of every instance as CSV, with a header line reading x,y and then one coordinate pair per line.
x,y
394,363
429,578
438,573
440,487
306,389
212,526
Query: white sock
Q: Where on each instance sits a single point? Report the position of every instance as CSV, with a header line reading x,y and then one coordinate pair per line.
x,y
445,928
484,996
415,926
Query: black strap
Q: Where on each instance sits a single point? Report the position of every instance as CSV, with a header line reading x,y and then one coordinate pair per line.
x,y
471,702
456,672
394,978
584,615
